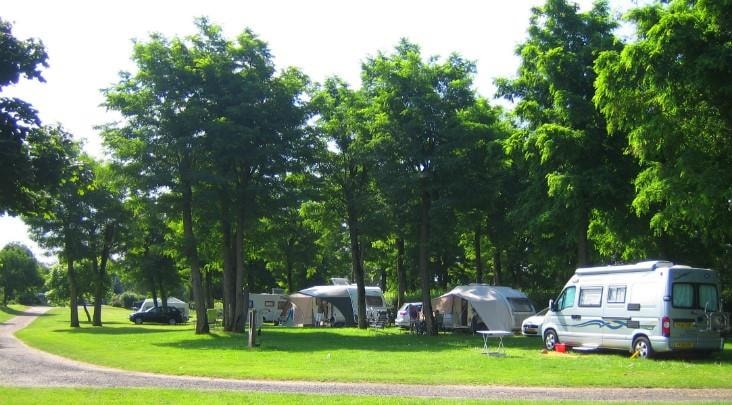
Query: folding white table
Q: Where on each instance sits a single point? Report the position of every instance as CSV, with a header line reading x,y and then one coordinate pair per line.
x,y
499,334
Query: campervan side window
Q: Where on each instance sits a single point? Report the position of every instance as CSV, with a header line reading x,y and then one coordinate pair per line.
x,y
269,303
566,299
590,297
616,295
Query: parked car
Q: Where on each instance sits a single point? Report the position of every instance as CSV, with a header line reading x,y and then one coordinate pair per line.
x,y
402,318
170,315
531,326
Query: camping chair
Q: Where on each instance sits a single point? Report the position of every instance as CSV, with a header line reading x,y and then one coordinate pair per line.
x,y
380,320
212,315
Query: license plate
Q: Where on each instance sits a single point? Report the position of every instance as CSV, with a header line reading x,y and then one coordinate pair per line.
x,y
683,325
683,345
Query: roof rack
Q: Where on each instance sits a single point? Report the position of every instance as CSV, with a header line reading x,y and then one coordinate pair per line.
x,y
626,268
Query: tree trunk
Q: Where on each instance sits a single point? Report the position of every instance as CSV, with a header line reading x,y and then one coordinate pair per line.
x,y
497,265
478,255
73,292
86,311
401,273
227,256
424,237
289,268
582,245
102,273
191,250
241,293
356,261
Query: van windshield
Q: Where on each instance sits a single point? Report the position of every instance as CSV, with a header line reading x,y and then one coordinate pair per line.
x,y
372,301
695,296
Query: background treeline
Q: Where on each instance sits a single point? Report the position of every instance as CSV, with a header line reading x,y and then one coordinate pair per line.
x,y
228,175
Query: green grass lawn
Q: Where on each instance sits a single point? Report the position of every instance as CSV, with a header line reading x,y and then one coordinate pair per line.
x,y
11,311
349,354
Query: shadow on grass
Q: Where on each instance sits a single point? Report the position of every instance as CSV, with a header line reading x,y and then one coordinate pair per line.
x,y
308,340
130,330
15,312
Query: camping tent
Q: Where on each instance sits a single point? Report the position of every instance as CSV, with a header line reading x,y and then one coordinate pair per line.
x,y
335,295
499,308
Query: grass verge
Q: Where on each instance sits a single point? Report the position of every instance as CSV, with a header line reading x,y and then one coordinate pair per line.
x,y
10,311
352,355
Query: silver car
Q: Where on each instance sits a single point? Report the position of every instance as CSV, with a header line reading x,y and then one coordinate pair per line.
x,y
531,326
402,317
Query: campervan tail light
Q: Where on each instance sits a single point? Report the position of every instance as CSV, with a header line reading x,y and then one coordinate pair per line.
x,y
666,326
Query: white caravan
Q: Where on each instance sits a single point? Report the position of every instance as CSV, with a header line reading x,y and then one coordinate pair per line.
x,y
647,307
268,306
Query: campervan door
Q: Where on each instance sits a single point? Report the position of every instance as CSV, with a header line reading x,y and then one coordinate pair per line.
x,y
577,312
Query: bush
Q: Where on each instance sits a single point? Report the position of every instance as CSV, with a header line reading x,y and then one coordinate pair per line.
x,y
126,299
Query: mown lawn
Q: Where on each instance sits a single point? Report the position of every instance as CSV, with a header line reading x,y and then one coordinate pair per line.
x,y
11,311
349,354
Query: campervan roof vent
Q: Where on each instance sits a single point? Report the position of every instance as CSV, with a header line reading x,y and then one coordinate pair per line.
x,y
655,264
339,281
278,291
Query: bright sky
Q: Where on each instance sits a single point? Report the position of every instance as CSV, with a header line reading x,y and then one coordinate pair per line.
x,y
89,42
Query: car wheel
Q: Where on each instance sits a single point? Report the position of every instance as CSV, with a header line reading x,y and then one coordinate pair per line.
x,y
550,339
138,321
172,321
642,346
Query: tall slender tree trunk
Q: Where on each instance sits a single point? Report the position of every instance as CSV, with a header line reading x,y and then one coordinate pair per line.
x,y
191,250
497,265
478,254
582,245
356,261
424,237
73,292
289,268
227,256
101,273
240,291
401,272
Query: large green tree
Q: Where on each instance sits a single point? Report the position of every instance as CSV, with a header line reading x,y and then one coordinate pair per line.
x,y
670,92
416,105
574,167
158,140
18,270
346,168
26,171
66,214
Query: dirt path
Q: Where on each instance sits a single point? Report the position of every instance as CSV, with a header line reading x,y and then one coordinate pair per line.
x,y
21,365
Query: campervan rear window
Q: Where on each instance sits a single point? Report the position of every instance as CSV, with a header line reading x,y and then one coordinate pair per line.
x,y
520,304
373,301
693,295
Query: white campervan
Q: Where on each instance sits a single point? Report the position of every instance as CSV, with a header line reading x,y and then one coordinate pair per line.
x,y
268,306
647,307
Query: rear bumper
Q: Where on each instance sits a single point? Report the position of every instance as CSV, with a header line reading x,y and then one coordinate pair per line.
x,y
687,344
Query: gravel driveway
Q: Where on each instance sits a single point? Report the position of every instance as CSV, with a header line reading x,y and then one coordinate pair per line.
x,y
23,366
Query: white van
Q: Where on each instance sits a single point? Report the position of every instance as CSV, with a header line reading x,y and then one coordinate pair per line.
x,y
647,307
